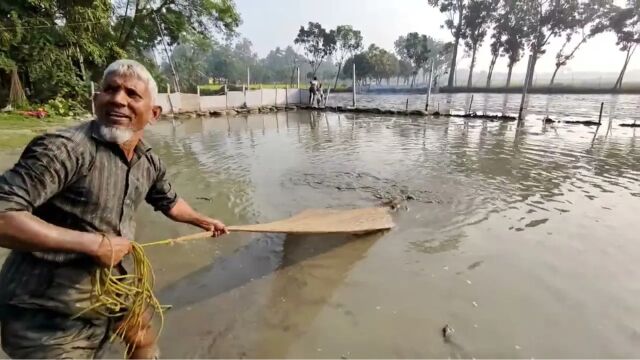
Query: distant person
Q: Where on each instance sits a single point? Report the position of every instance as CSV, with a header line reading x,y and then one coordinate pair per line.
x,y
319,95
313,90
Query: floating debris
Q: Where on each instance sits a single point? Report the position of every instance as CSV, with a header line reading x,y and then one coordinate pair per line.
x,y
469,282
475,304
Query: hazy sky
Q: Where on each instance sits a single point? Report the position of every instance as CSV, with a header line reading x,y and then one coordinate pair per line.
x,y
271,23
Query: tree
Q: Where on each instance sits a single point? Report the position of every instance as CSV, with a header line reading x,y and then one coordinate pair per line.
x,y
363,67
586,27
415,49
512,24
318,44
190,60
625,22
382,64
476,22
137,22
348,42
547,19
455,10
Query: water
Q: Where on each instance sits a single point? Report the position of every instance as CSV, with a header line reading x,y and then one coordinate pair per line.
x,y
621,108
522,240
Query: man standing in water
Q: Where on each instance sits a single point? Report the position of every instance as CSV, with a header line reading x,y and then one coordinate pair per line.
x,y
66,190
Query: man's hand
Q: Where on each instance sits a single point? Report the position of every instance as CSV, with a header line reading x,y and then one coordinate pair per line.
x,y
182,212
111,250
213,225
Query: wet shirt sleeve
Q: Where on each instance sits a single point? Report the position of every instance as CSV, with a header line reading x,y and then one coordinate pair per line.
x,y
47,165
161,194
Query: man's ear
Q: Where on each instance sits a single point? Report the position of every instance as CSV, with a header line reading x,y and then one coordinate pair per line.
x,y
156,111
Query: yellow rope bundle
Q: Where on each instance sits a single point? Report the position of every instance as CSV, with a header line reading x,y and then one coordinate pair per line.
x,y
126,296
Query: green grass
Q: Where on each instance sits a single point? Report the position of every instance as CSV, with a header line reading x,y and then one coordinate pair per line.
x,y
17,130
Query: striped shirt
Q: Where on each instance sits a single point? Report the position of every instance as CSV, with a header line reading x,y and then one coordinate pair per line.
x,y
73,179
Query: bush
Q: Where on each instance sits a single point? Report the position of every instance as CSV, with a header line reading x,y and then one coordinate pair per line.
x,y
63,107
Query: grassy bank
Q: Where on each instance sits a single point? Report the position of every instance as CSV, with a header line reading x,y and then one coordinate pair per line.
x,y
16,130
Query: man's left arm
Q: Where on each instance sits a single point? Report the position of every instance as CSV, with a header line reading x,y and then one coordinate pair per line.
x,y
163,198
182,212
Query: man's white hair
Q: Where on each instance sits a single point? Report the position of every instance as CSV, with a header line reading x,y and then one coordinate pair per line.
x,y
129,67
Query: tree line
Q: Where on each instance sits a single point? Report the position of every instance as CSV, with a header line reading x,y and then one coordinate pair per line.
x,y
519,25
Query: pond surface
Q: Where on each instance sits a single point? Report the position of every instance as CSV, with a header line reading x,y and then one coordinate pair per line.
x,y
620,108
522,240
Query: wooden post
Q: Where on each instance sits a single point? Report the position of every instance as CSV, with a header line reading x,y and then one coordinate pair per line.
x,y
525,87
169,98
286,95
298,72
275,88
600,116
406,107
198,92
470,104
244,93
354,84
426,107
226,97
93,105
327,98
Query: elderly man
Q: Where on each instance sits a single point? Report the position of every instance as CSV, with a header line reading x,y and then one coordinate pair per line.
x,y
66,190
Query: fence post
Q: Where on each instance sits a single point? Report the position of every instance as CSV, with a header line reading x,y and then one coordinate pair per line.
x,y
354,84
93,105
248,78
298,72
261,96
244,92
600,116
226,97
275,88
426,107
199,102
470,104
525,87
168,88
286,95
327,97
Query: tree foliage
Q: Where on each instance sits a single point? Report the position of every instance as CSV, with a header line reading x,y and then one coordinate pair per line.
x,y
317,44
454,10
59,45
476,22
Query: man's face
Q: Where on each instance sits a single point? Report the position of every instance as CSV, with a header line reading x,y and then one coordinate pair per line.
x,y
124,103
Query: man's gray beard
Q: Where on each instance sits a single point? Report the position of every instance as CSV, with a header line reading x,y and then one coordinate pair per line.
x,y
114,134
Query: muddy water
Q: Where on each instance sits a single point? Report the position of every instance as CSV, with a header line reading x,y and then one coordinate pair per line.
x,y
521,240
563,107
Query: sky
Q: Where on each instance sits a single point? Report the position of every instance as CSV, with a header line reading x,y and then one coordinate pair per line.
x,y
271,23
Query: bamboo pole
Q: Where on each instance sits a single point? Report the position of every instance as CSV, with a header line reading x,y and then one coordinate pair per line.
x,y
525,88
354,84
600,116
426,107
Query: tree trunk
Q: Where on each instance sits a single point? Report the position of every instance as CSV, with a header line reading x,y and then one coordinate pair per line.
x,y
555,72
630,51
509,74
473,64
533,68
494,59
452,70
335,83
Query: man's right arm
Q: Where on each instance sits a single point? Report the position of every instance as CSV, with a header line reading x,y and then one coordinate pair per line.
x,y
48,164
